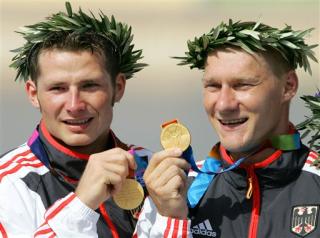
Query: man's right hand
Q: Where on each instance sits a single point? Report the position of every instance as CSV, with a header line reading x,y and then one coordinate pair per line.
x,y
166,182
103,176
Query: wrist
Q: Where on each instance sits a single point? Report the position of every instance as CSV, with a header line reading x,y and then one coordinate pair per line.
x,y
89,201
179,212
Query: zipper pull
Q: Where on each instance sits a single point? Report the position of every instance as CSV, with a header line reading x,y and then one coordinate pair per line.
x,y
249,191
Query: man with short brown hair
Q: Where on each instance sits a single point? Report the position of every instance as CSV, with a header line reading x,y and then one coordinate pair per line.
x,y
64,181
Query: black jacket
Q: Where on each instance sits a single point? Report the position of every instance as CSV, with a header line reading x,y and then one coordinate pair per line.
x,y
42,173
285,199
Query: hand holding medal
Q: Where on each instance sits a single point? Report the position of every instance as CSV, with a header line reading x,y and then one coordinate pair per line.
x,y
174,134
131,195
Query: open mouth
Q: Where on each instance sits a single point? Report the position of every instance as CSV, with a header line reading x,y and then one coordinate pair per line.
x,y
233,122
75,122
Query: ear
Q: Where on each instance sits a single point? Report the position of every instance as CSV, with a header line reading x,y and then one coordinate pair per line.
x,y
31,90
120,85
291,85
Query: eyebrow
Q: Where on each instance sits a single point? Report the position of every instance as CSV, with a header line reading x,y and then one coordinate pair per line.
x,y
204,79
57,83
211,79
89,81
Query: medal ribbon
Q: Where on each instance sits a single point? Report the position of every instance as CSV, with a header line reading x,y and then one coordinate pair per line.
x,y
188,155
141,167
286,142
200,184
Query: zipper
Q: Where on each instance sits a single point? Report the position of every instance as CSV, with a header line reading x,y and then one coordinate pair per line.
x,y
254,193
249,190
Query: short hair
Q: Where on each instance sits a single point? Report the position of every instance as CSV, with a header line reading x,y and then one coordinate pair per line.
x,y
87,41
277,63
275,60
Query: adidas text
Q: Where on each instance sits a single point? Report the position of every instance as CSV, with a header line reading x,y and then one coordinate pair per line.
x,y
203,232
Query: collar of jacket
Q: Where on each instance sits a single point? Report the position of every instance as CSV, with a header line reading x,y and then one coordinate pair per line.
x,y
276,170
61,160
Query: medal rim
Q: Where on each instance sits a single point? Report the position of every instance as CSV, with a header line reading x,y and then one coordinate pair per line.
x,y
141,191
175,124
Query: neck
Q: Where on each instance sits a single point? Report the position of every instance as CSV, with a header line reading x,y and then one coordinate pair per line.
x,y
101,144
254,156
89,149
266,149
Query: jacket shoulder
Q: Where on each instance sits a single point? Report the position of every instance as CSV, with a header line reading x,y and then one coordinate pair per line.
x,y
21,150
18,162
312,163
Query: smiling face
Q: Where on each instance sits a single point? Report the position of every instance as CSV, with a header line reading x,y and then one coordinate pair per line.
x,y
75,95
245,101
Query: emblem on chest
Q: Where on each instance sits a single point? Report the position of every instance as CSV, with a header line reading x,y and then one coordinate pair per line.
x,y
304,219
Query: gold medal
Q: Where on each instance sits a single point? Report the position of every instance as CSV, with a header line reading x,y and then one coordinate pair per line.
x,y
174,134
130,196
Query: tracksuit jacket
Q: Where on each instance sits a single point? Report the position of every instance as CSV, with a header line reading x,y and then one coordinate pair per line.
x,y
276,198
37,183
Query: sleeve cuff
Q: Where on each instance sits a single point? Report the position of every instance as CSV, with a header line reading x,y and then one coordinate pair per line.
x,y
73,218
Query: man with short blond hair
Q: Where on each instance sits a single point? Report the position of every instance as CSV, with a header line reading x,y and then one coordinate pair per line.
x,y
259,180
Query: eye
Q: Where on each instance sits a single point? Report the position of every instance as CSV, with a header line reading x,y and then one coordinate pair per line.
x,y
243,86
212,86
90,85
57,88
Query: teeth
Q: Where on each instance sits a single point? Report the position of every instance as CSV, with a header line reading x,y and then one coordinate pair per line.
x,y
233,121
77,122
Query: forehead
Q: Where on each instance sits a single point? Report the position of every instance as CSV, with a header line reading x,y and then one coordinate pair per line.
x,y
55,63
57,55
235,63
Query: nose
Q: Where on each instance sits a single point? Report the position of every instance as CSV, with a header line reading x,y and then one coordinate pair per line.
x,y
75,103
227,100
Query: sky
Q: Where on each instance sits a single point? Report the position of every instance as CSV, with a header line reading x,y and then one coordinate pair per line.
x,y
163,90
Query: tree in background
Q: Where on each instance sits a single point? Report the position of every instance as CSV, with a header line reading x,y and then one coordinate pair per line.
x,y
311,125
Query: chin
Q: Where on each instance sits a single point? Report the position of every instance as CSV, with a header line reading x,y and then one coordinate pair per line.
x,y
78,141
234,147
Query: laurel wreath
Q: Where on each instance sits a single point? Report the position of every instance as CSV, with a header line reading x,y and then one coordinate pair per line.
x,y
251,37
117,33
